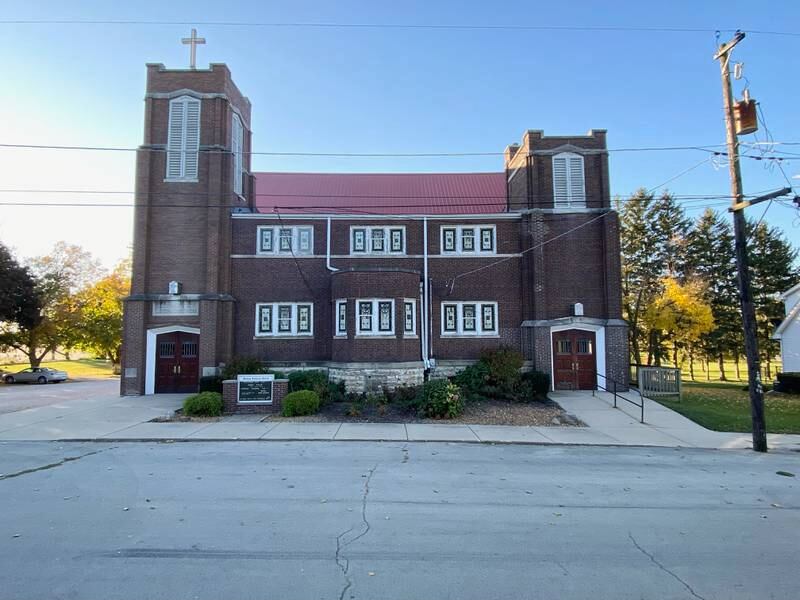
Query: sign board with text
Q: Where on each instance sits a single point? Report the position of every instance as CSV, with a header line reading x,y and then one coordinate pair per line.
x,y
254,389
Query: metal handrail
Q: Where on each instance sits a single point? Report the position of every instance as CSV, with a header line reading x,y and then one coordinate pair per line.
x,y
617,394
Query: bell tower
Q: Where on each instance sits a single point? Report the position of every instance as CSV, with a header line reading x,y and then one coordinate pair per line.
x,y
192,172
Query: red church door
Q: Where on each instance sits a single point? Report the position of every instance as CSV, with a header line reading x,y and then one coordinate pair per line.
x,y
574,360
177,363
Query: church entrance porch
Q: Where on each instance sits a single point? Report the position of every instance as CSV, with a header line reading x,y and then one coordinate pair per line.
x,y
574,360
172,360
176,362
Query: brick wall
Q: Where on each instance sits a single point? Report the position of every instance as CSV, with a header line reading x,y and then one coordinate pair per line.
x,y
182,229
531,165
184,232
280,387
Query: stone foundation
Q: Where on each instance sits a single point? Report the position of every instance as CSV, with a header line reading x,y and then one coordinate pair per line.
x,y
374,378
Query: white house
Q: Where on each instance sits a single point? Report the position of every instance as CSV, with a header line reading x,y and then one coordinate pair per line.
x,y
788,332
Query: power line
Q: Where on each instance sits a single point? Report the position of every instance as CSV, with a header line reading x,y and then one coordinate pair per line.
x,y
705,148
294,256
325,196
452,281
397,26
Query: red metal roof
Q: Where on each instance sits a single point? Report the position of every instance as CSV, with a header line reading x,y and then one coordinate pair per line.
x,y
381,193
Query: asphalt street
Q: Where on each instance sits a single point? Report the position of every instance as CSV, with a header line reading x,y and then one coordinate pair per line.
x,y
347,520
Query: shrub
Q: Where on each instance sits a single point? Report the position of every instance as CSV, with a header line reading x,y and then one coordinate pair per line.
x,y
405,396
440,399
317,381
302,402
504,364
473,381
308,380
204,404
788,383
243,365
534,386
211,384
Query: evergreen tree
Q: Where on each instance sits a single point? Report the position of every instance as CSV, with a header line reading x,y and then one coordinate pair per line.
x,y
772,271
710,257
670,229
640,269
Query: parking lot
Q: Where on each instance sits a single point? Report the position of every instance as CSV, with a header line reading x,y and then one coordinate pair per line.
x,y
20,396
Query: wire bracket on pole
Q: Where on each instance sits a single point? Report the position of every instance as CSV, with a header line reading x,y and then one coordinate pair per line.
x,y
742,205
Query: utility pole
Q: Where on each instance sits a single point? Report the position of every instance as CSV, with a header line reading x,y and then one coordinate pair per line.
x,y
742,266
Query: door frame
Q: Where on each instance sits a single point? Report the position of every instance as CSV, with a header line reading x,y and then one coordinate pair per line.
x,y
599,343
150,356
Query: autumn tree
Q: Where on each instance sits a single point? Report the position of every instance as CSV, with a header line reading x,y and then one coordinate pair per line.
x,y
100,308
679,314
57,278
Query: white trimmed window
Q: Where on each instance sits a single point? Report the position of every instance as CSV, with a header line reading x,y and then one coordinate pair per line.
x,y
340,319
469,318
284,240
569,189
377,240
284,319
409,316
237,148
163,308
375,317
469,239
183,139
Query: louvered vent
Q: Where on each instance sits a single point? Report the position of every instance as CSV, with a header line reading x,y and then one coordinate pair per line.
x,y
569,188
183,143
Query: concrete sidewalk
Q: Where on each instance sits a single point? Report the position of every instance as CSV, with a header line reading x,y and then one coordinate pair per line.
x,y
662,426
110,417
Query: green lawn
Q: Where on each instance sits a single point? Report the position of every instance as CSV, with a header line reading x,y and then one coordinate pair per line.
x,y
726,407
84,367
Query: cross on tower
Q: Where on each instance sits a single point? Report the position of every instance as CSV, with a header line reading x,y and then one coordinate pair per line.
x,y
192,42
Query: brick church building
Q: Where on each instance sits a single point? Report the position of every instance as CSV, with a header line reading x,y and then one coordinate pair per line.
x,y
378,278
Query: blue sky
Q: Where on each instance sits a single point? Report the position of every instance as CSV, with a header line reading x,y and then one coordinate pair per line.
x,y
388,90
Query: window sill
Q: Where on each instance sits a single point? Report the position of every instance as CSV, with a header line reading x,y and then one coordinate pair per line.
x,y
375,336
299,336
285,254
410,337
470,336
340,337
181,181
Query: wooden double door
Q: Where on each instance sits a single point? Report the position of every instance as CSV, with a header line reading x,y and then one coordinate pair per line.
x,y
177,362
574,360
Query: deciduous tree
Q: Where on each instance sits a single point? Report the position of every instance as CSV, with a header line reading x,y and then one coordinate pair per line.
x,y
100,308
680,314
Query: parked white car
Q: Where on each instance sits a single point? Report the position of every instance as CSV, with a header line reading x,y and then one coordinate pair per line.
x,y
36,375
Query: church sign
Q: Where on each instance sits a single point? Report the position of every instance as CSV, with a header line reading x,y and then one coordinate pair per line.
x,y
254,389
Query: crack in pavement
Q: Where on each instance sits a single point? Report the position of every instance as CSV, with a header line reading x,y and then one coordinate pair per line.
x,y
663,568
342,562
63,461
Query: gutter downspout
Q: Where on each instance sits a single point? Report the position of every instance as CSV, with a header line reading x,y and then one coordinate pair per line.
x,y
328,248
425,298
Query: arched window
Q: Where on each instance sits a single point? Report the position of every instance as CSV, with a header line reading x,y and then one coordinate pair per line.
x,y
183,139
569,189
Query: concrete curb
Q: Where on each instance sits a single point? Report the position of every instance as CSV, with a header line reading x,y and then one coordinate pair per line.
x,y
167,440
